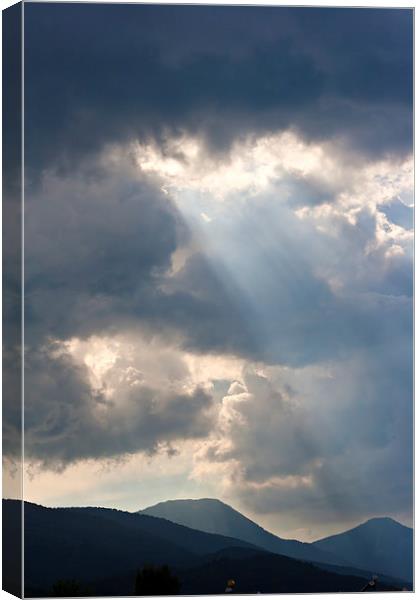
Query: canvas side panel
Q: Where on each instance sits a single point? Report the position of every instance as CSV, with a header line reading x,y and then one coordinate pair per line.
x,y
12,299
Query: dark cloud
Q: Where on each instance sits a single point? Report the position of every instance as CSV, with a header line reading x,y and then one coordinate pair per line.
x,y
12,400
12,101
97,74
95,244
12,176
67,420
251,297
258,282
99,252
12,237
321,441
349,488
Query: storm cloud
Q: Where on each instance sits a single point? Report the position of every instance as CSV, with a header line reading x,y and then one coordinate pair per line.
x,y
67,419
218,251
329,73
281,439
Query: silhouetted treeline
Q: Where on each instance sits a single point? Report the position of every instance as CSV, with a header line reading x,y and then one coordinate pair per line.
x,y
156,581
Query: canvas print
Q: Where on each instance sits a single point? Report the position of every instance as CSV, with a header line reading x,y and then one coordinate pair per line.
x,y
207,299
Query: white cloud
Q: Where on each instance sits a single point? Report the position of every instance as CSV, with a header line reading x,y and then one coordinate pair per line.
x,y
256,164
296,263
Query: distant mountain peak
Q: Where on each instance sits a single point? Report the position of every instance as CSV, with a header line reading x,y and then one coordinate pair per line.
x,y
379,520
381,544
214,501
378,523
214,516
191,503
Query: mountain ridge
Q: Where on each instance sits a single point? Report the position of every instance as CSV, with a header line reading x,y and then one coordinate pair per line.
x,y
103,548
213,515
380,543
74,542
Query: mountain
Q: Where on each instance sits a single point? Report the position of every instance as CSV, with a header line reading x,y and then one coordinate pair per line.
x,y
253,571
88,543
214,516
268,574
381,545
102,549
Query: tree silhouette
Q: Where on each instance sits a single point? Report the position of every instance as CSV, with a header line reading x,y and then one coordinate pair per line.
x,y
156,581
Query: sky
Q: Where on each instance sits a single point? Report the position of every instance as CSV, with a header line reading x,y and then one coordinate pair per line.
x,y
218,261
